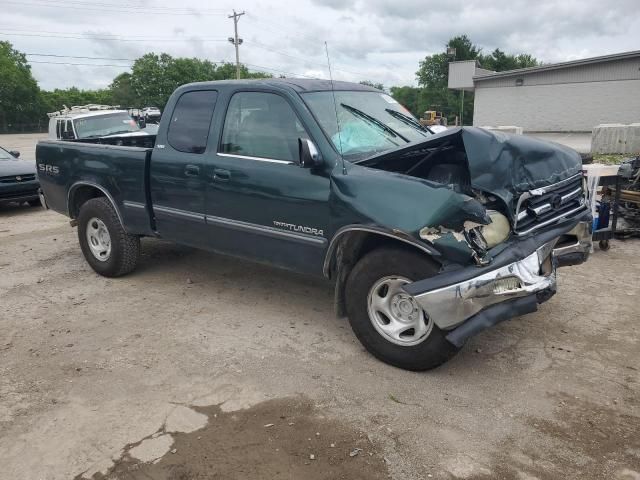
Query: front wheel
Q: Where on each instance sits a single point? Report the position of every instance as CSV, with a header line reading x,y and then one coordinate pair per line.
x,y
106,246
388,322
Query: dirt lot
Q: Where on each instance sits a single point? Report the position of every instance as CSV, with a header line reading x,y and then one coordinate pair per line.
x,y
201,366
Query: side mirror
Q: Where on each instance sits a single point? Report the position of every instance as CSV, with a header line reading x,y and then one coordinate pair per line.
x,y
309,155
15,153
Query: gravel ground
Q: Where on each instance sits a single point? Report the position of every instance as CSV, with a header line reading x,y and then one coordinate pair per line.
x,y
96,371
175,371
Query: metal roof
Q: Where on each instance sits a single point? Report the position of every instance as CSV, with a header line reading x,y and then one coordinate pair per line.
x,y
72,115
557,66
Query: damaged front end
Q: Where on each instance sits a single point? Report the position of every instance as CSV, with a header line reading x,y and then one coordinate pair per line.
x,y
502,211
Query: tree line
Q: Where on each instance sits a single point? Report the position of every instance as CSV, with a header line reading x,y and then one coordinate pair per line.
x,y
153,77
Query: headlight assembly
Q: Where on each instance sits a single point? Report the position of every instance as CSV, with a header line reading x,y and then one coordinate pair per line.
x,y
485,237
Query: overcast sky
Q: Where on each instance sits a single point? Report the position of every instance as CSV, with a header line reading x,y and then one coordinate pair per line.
x,y
378,40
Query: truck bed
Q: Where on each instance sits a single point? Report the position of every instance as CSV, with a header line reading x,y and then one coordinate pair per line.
x,y
120,172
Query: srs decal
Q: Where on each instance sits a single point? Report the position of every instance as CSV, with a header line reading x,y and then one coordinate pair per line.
x,y
51,169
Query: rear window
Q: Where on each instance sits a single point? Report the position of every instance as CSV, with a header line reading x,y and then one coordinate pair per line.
x,y
191,120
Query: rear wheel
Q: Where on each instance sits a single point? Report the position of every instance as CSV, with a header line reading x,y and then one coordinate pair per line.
x,y
389,322
106,246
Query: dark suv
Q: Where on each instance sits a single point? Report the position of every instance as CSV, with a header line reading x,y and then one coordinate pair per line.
x,y
18,181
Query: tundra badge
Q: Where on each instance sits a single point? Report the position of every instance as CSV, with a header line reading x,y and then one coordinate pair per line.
x,y
299,228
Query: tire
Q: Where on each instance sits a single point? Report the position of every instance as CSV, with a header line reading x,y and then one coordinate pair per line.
x,y
34,203
425,352
121,252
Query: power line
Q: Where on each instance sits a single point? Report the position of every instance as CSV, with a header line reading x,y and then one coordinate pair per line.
x,y
260,67
89,36
102,34
114,10
279,71
134,7
323,64
82,58
83,64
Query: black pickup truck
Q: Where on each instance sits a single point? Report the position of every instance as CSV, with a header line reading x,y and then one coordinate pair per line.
x,y
428,238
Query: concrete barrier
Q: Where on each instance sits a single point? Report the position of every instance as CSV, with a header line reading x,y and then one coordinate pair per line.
x,y
616,138
506,129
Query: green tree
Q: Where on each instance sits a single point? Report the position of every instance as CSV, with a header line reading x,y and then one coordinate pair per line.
x,y
58,98
19,92
154,77
433,74
412,98
499,61
122,93
371,84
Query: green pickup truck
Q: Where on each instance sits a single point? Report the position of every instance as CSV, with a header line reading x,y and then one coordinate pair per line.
x,y
428,238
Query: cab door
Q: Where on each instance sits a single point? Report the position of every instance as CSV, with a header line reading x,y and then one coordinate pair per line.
x,y
178,169
260,203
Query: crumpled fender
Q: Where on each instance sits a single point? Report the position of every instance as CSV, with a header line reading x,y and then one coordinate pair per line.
x,y
406,205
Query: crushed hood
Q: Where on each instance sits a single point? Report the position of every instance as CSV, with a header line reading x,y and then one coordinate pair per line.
x,y
501,164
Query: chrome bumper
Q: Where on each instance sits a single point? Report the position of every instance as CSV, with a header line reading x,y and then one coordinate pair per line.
x,y
452,305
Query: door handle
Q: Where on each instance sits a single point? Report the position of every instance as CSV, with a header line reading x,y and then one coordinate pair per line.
x,y
221,174
192,170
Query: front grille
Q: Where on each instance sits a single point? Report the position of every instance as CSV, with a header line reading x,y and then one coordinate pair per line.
x,y
544,206
27,177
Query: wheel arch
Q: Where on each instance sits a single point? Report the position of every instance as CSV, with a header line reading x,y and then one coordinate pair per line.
x,y
82,191
351,243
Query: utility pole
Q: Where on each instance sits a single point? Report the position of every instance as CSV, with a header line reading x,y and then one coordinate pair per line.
x,y
236,41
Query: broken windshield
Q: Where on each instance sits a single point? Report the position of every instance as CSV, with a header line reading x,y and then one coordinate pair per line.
x,y
370,122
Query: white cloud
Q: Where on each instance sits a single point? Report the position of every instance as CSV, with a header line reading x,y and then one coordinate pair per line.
x,y
378,40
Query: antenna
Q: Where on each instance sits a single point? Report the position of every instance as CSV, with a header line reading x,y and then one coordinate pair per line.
x,y
335,106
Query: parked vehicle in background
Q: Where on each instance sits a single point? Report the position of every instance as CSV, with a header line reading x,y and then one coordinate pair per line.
x,y
428,239
151,114
91,122
432,117
18,181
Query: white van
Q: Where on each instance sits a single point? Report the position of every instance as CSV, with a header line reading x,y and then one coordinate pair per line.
x,y
92,121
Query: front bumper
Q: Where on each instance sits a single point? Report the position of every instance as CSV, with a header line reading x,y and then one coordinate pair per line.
x,y
19,197
523,278
452,305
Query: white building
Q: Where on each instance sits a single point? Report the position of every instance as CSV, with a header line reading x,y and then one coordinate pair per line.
x,y
571,96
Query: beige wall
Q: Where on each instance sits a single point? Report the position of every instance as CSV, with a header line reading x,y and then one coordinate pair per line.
x,y
559,107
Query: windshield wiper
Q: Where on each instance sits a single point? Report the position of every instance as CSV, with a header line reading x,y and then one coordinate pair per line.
x,y
408,120
375,121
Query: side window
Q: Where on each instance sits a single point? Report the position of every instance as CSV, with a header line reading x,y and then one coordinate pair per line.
x,y
261,125
190,121
69,130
